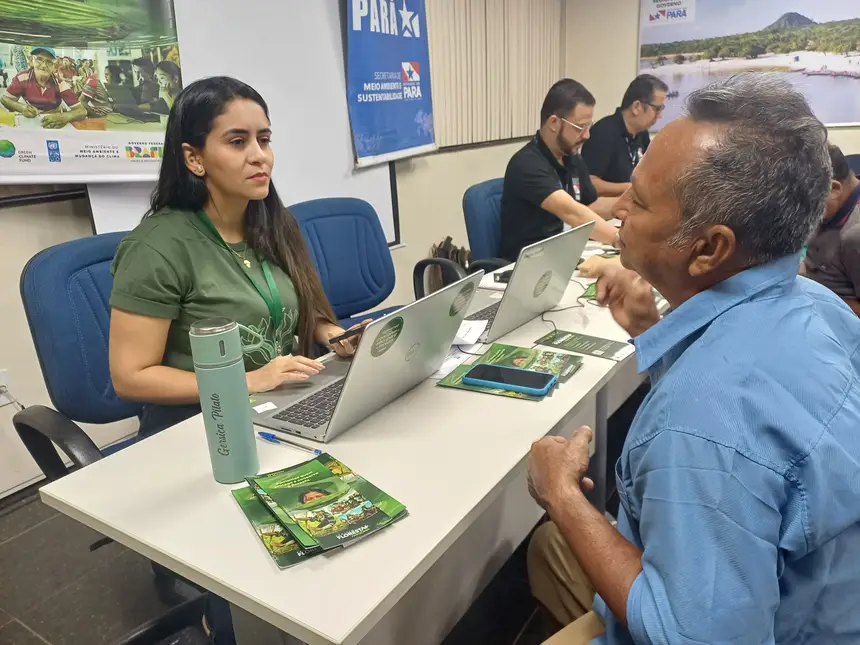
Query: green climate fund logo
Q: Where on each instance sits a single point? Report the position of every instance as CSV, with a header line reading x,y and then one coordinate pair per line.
x,y
7,149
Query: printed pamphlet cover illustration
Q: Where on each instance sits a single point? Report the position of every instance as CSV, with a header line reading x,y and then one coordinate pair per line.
x,y
279,543
304,540
562,365
324,504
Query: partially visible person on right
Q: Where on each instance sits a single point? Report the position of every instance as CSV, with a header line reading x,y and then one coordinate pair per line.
x,y
833,255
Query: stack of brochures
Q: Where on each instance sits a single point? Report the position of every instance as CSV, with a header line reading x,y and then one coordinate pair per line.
x,y
316,506
561,365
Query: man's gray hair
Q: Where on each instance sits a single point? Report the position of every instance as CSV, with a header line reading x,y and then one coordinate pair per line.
x,y
767,174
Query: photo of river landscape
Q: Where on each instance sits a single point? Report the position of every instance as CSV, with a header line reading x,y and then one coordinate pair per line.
x,y
817,50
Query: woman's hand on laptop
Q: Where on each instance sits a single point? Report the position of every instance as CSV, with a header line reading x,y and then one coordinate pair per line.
x,y
280,370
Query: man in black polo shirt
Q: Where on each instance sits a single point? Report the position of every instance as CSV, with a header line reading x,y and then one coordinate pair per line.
x,y
833,255
619,140
547,183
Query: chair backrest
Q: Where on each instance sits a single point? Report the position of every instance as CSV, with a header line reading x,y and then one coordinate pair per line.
x,y
348,247
482,207
66,292
854,163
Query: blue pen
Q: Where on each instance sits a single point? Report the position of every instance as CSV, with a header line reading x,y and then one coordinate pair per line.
x,y
269,437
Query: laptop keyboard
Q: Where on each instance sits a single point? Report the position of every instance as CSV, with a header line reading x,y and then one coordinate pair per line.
x,y
315,410
487,313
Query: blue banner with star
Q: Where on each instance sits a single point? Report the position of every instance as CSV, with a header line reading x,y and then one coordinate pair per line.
x,y
388,80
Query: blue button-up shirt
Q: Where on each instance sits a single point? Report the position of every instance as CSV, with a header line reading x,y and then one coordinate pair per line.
x,y
740,477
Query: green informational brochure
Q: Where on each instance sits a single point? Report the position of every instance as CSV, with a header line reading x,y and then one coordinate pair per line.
x,y
284,518
562,365
589,345
590,292
324,504
279,543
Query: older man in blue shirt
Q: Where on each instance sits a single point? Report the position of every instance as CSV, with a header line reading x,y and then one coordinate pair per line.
x,y
740,477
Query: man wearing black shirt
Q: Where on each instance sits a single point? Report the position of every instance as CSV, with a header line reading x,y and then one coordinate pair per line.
x,y
547,183
619,140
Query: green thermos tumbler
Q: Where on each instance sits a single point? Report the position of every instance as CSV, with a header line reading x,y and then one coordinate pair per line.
x,y
216,348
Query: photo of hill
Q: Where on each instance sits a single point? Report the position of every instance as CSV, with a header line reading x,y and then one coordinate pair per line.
x,y
815,45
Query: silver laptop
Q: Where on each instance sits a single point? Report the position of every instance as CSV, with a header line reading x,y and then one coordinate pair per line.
x,y
537,284
396,353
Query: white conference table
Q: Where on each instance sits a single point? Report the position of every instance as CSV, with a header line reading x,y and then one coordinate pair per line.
x,y
456,459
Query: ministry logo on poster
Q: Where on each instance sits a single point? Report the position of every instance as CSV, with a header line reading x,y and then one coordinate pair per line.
x,y
410,72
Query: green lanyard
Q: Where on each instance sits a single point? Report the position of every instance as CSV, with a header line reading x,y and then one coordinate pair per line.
x,y
273,297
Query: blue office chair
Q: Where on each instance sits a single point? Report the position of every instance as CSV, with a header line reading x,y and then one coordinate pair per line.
x,y
65,291
482,208
854,163
348,248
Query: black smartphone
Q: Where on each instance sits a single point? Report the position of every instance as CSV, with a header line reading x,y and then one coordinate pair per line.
x,y
347,334
503,277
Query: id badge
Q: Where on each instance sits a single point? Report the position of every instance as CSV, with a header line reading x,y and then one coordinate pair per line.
x,y
577,193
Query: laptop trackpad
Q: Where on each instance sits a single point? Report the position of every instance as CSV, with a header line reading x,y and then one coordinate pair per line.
x,y
293,391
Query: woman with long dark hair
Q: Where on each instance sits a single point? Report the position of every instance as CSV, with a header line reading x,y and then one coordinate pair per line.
x,y
169,79
216,242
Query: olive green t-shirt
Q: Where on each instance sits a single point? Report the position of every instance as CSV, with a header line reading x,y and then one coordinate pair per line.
x,y
172,266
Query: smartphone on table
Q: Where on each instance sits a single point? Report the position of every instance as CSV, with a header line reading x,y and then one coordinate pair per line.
x,y
513,379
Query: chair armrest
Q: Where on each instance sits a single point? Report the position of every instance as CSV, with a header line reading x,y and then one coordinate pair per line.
x,y
451,272
488,264
41,427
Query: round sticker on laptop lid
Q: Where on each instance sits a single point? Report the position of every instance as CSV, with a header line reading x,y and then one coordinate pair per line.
x,y
461,301
542,284
386,338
